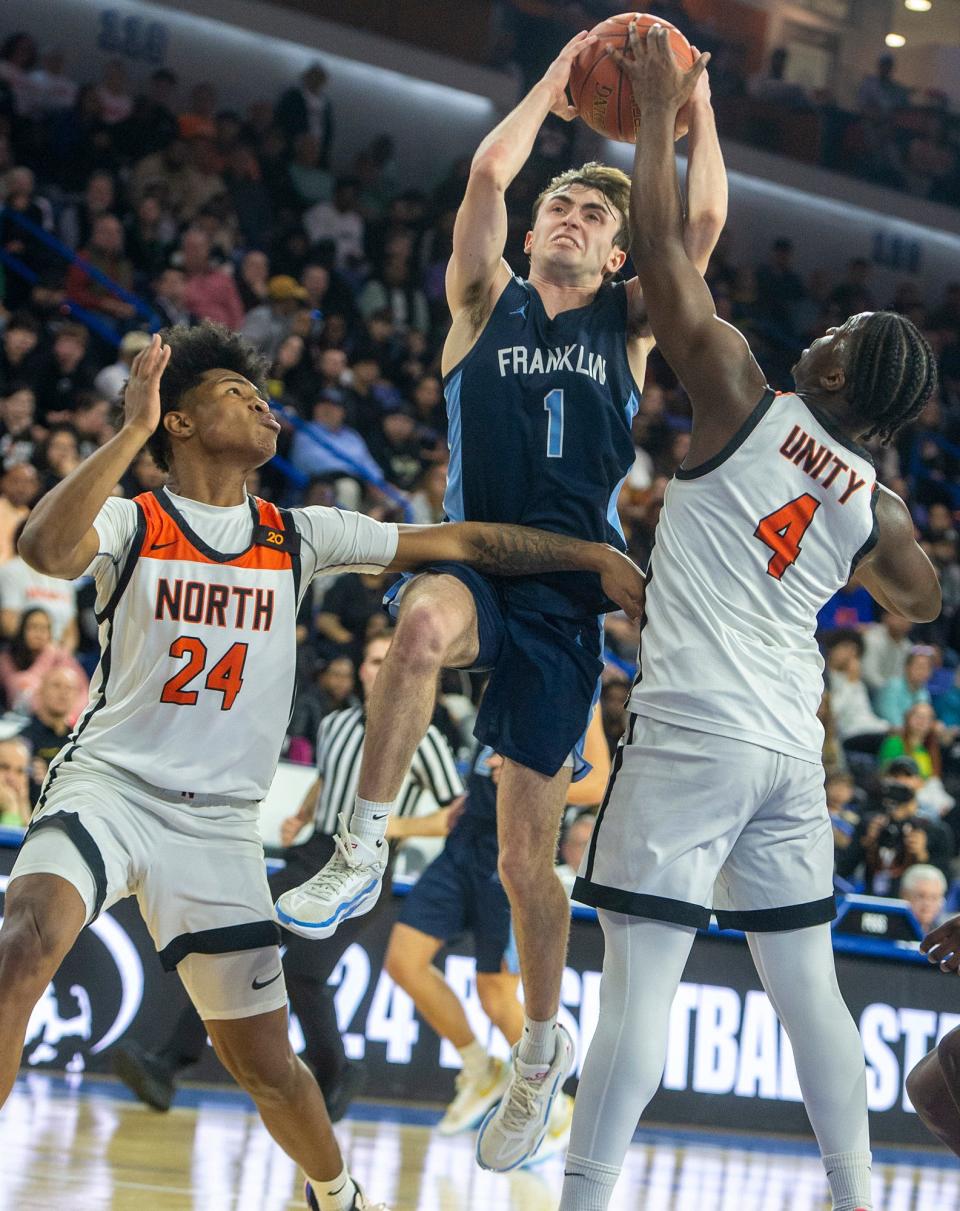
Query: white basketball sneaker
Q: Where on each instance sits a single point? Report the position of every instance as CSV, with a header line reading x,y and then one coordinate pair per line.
x,y
557,1136
513,1131
348,886
474,1098
359,1203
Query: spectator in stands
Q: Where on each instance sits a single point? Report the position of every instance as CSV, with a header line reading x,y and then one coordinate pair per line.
x,y
917,738
880,94
152,124
890,840
19,488
573,844
91,421
21,200
851,607
209,293
170,173
16,426
18,58
99,198
64,373
843,807
309,180
333,688
340,222
18,350
426,503
169,297
306,109
930,161
59,455
116,100
49,724
924,888
900,693
199,120
111,380
269,324
253,280
775,87
396,446
859,729
396,292
886,646
81,141
51,89
105,252
428,403
779,289
14,783
151,232
327,447
852,294
31,655
343,624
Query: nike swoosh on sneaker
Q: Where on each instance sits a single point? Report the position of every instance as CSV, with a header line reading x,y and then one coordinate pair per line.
x,y
256,985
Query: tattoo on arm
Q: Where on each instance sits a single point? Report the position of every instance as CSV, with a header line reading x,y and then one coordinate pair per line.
x,y
516,550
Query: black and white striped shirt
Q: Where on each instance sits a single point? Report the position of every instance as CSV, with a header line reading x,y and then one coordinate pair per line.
x,y
339,749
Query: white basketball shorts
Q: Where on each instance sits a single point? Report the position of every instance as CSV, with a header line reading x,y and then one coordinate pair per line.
x,y
694,823
196,867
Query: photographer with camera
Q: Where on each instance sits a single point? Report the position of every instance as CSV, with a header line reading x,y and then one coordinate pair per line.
x,y
893,838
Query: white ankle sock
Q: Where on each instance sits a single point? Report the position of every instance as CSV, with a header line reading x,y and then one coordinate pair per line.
x,y
369,820
475,1060
538,1043
587,1185
336,1195
849,1176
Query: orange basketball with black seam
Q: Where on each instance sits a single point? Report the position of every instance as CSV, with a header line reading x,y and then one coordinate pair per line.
x,y
599,90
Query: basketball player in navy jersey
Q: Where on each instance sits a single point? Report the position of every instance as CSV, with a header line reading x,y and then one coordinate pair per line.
x,y
542,381
716,801
157,791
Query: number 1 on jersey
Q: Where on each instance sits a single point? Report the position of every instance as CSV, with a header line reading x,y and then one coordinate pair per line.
x,y
782,531
553,403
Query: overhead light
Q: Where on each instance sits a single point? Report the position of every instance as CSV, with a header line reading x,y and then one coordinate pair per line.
x,y
895,40
918,6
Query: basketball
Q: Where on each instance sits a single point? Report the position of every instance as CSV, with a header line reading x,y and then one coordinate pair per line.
x,y
599,91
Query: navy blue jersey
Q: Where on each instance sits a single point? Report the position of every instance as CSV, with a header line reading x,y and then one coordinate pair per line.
x,y
540,416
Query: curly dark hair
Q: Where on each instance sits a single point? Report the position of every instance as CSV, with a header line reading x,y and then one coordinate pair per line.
x,y
207,346
892,372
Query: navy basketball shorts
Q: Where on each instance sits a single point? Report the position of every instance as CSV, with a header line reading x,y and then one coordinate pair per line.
x,y
544,676
460,892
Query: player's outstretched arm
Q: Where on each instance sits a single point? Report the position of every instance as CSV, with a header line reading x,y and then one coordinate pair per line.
x,y
519,551
897,573
476,267
707,190
709,356
59,538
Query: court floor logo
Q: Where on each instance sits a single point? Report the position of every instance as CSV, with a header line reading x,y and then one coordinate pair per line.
x,y
92,1000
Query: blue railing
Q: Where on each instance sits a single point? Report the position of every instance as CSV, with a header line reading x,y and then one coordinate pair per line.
x,y
143,310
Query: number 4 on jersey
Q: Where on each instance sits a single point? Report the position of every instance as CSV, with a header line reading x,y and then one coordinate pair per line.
x,y
783,530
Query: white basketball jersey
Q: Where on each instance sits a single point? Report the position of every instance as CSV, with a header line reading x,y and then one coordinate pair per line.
x,y
196,677
749,547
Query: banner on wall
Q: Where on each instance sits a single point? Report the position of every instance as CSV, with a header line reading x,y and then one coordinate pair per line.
x,y
729,1062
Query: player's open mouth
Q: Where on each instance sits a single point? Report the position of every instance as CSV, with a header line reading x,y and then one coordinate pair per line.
x,y
566,239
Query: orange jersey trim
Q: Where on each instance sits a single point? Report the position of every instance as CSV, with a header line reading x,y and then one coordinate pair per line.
x,y
165,540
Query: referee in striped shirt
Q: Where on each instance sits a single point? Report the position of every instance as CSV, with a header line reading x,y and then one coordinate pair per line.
x,y
307,964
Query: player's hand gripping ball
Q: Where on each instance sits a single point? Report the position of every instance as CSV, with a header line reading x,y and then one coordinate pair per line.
x,y
601,92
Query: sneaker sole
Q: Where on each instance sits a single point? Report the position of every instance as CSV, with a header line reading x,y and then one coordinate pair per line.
x,y
141,1083
324,929
525,1159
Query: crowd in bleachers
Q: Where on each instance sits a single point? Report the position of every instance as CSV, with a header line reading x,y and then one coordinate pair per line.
x,y
273,223
887,133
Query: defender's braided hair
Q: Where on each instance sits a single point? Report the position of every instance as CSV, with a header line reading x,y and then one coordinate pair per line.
x,y
892,373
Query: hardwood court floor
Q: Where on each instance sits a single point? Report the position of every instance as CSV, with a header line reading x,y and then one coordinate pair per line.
x,y
91,1148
